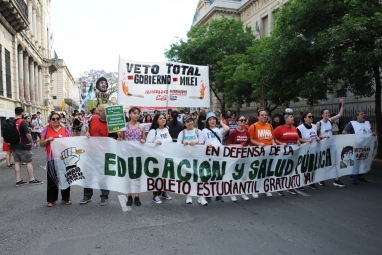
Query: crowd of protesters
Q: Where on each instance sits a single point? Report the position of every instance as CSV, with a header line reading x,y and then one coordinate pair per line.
x,y
189,129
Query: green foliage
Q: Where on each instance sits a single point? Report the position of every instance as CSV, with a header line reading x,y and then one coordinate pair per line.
x,y
210,43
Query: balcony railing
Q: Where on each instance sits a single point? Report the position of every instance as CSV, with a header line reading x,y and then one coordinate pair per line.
x,y
23,7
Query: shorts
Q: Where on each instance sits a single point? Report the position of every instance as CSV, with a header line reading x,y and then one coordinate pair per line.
x,y
6,147
22,156
76,128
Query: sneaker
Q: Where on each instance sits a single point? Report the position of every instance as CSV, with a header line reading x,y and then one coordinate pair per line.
x,y
338,183
129,201
280,193
11,165
300,189
255,195
157,200
354,182
137,202
104,201
268,194
321,183
219,199
20,183
85,200
208,199
189,199
362,179
166,196
35,181
233,198
292,191
313,186
69,202
245,197
202,201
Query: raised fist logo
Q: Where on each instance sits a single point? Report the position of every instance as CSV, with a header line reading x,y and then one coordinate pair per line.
x,y
71,156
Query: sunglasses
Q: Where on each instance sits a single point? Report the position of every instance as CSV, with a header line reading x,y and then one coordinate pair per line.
x,y
54,119
310,117
242,120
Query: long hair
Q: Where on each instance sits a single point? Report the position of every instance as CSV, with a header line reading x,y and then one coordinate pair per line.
x,y
174,116
154,124
303,116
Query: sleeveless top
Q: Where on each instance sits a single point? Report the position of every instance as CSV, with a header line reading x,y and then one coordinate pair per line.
x,y
326,128
308,133
133,134
361,127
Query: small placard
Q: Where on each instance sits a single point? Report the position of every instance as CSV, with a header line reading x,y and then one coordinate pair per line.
x,y
115,118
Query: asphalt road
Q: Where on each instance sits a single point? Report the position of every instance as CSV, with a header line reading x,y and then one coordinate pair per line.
x,y
330,220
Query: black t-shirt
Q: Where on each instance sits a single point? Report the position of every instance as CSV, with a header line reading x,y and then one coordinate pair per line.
x,y
200,123
175,130
25,143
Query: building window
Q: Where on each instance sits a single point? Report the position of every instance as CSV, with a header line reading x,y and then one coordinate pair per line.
x,y
8,73
54,97
1,72
340,93
264,27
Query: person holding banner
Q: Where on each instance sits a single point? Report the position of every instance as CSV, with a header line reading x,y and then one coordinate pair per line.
x,y
213,136
97,127
159,134
286,134
358,126
190,136
51,132
134,132
308,133
261,135
324,127
239,137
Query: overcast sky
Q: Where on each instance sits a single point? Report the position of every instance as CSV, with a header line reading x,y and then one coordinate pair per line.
x,y
92,34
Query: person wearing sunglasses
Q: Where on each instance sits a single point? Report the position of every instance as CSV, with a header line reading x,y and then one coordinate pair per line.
x,y
239,137
308,133
261,134
54,131
286,134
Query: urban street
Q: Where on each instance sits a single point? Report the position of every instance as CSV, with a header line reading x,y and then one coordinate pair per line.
x,y
330,220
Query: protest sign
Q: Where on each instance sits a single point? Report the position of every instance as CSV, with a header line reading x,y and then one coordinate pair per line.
x,y
198,170
115,118
161,84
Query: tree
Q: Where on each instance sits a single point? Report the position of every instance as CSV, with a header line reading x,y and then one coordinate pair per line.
x,y
209,43
324,43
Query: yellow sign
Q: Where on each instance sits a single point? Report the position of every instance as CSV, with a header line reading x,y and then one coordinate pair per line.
x,y
63,105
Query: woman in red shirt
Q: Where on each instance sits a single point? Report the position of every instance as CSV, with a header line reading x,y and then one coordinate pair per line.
x,y
286,134
239,137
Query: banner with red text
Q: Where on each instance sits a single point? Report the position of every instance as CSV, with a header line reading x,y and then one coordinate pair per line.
x,y
160,84
130,167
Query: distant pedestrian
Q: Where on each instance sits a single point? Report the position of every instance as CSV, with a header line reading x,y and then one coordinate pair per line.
x,y
22,150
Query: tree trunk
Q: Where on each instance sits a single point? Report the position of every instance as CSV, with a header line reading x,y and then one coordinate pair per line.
x,y
219,99
378,115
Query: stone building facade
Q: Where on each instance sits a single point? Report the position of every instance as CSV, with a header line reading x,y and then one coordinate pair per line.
x,y
26,65
259,15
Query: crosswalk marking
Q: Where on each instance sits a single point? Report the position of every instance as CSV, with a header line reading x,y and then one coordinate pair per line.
x,y
122,200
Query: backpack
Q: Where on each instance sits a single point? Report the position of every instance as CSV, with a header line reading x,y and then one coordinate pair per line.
x,y
10,132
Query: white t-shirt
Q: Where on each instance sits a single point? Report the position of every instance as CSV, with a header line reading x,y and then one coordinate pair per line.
x,y
326,128
161,135
208,137
36,123
189,136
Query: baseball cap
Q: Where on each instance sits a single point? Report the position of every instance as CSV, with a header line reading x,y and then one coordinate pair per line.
x,y
187,118
210,114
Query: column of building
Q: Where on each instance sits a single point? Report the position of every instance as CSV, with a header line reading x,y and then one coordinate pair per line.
x,y
21,74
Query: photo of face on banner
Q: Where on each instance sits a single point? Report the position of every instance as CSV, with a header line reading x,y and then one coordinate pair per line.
x,y
102,85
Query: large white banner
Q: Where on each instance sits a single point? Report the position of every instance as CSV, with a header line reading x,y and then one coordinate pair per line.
x,y
161,84
129,167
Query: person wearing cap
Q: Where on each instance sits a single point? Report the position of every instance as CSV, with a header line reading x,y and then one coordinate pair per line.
x,y
175,126
286,134
261,135
239,137
190,136
212,135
